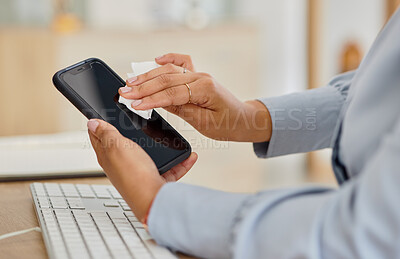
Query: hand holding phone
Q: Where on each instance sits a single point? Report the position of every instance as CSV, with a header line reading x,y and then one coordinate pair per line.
x,y
137,180
92,87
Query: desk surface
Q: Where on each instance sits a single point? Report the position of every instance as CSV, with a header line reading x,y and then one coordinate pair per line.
x,y
17,213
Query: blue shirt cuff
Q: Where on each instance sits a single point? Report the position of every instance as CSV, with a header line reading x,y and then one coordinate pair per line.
x,y
182,215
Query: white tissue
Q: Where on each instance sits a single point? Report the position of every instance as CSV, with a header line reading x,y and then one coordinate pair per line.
x,y
139,68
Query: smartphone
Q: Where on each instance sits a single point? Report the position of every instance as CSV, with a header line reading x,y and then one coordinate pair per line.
x,y
92,87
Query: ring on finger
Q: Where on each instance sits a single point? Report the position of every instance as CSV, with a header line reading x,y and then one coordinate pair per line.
x,y
190,93
184,70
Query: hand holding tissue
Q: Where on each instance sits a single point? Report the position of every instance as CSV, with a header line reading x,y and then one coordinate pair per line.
x,y
139,68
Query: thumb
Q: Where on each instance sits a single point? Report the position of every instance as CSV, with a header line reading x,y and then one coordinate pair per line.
x,y
102,130
176,59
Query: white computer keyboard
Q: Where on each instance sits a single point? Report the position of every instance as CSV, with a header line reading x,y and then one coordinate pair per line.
x,y
90,221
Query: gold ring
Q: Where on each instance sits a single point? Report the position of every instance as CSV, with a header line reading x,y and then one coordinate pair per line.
x,y
190,93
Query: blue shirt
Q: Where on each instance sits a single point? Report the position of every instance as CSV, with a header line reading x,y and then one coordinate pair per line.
x,y
358,115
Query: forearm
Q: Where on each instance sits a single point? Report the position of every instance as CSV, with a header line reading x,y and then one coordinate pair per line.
x,y
214,224
304,121
296,115
358,220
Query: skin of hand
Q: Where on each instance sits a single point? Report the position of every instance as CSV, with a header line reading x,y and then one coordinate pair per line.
x,y
129,168
211,109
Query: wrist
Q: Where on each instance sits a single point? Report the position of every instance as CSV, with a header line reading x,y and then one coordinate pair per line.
x,y
140,194
144,220
259,122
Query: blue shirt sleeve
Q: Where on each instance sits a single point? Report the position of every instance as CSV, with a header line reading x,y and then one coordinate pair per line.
x,y
359,220
193,219
303,122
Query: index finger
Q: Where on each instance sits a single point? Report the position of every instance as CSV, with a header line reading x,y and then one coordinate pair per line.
x,y
166,69
158,84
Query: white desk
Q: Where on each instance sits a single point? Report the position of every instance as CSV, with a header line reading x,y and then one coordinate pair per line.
x,y
50,155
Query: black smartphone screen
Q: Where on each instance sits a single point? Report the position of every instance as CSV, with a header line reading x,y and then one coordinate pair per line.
x,y
98,87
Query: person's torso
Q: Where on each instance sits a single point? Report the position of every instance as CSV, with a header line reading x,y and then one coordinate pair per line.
x,y
372,106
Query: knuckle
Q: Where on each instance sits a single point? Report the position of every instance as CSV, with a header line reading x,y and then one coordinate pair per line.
x,y
170,93
142,77
164,79
138,89
170,67
205,75
208,83
149,99
188,58
209,88
154,100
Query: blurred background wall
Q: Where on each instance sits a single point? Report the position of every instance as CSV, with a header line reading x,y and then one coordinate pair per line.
x,y
255,48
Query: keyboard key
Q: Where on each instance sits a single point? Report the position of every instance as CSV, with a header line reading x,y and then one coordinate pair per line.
x,y
75,203
137,224
122,202
156,250
99,214
132,219
85,191
39,189
69,190
116,215
143,234
114,193
129,214
43,202
58,203
101,191
53,190
111,203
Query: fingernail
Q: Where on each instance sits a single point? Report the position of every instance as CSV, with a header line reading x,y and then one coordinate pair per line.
x,y
92,125
136,103
132,79
125,89
159,57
